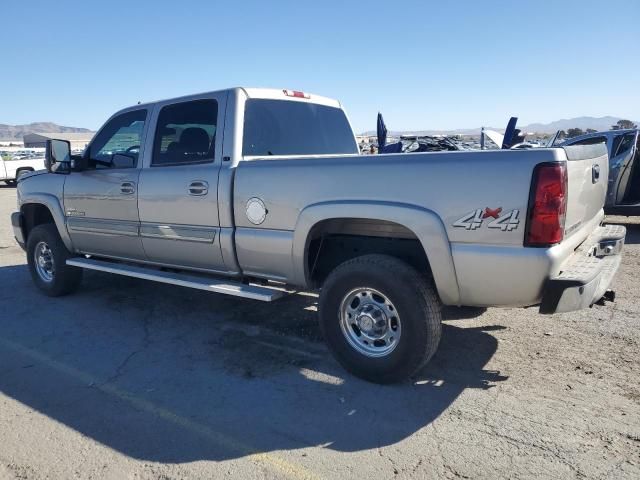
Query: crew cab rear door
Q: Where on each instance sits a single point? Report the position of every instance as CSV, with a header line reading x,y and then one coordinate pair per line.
x,y
178,193
623,152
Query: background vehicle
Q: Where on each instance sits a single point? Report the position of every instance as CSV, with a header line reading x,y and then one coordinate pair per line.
x,y
241,191
12,169
623,193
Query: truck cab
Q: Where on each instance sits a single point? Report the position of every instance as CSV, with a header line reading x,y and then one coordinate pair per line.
x,y
12,168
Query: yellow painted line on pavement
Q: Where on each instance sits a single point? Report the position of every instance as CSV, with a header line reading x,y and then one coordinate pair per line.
x,y
291,470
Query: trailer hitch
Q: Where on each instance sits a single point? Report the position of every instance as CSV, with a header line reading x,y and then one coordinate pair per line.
x,y
609,296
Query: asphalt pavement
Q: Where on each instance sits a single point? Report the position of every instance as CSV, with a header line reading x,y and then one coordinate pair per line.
x,y
137,380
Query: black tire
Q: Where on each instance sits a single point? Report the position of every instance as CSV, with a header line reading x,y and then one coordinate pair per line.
x,y
11,183
64,279
411,295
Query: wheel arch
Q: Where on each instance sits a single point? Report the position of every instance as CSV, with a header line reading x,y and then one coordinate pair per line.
x,y
24,169
44,208
423,224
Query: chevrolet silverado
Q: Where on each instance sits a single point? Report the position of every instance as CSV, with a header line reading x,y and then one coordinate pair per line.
x,y
254,192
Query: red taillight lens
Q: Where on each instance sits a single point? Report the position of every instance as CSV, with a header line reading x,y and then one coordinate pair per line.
x,y
547,205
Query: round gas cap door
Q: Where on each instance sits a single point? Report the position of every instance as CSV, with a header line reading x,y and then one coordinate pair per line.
x,y
256,211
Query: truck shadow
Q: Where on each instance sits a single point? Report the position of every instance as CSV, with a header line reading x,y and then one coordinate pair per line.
x,y
173,375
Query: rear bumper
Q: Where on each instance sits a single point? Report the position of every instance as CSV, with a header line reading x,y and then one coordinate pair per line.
x,y
588,273
17,221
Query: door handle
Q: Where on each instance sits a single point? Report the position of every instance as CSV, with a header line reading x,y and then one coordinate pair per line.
x,y
127,188
198,187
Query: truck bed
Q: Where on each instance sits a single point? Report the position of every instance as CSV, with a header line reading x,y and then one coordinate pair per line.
x,y
450,187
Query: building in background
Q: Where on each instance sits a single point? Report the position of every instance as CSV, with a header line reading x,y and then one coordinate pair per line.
x,y
39,140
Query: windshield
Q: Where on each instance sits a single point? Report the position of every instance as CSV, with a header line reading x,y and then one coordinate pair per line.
x,y
281,127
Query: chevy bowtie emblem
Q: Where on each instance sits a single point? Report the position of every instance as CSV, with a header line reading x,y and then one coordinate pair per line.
x,y
488,212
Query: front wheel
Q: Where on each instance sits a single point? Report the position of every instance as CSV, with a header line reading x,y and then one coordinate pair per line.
x,y
380,318
47,257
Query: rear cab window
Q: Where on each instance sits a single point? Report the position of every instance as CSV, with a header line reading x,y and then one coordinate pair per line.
x,y
283,127
590,141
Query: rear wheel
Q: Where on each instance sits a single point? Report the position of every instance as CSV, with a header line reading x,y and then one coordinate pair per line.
x,y
47,256
380,317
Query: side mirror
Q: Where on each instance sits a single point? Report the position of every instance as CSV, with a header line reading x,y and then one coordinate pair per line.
x,y
58,156
122,161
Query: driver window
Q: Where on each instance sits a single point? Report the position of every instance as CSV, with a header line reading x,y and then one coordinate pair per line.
x,y
122,136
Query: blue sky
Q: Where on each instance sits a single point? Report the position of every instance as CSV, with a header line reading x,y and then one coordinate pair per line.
x,y
425,65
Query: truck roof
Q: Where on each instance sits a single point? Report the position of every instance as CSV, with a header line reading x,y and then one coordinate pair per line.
x,y
252,92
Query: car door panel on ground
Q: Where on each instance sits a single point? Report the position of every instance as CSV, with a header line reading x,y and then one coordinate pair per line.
x,y
100,202
178,188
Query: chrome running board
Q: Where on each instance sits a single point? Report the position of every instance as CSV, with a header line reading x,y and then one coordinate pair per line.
x,y
210,284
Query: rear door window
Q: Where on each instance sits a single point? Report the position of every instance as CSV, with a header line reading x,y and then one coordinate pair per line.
x,y
281,127
186,133
622,144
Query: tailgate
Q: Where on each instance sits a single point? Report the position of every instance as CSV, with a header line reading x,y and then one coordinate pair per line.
x,y
587,172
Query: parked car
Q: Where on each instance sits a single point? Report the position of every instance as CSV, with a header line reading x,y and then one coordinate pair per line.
x,y
243,190
12,169
623,193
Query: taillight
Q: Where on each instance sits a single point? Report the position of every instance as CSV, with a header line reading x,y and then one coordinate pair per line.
x,y
547,205
295,93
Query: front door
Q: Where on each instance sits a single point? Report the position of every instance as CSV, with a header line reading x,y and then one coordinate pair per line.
x,y
100,202
178,190
622,167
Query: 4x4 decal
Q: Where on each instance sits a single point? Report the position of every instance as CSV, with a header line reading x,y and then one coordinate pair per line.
x,y
474,220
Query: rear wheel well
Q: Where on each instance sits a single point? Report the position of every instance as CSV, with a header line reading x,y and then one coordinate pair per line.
x,y
35,214
332,242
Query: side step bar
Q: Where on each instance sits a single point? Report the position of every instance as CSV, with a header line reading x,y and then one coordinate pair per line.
x,y
209,284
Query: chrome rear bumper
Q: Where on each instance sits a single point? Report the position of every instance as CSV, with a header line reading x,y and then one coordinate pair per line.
x,y
588,273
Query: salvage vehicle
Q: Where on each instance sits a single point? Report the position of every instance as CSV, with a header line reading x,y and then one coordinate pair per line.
x,y
12,169
623,192
251,192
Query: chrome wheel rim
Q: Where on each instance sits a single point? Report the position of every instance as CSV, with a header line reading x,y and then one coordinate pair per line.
x,y
43,259
370,322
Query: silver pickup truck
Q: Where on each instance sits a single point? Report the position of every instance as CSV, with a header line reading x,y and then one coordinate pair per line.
x,y
253,192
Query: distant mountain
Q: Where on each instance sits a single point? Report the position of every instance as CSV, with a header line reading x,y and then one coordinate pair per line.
x,y
16,132
597,123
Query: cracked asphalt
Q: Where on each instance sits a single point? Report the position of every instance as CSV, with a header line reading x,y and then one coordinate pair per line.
x,y
128,379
